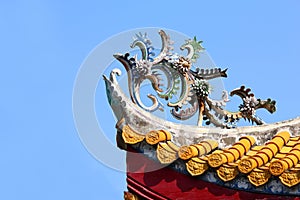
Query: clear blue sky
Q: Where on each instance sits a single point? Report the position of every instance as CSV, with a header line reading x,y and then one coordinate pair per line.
x,y
43,43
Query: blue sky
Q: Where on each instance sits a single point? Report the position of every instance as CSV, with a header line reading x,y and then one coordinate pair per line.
x,y
43,44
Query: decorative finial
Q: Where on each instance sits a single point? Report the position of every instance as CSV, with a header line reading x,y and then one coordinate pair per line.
x,y
191,82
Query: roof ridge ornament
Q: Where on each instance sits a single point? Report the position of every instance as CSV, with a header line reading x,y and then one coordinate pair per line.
x,y
192,85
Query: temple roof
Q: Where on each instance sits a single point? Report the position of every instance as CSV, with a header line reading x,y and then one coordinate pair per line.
x,y
279,157
260,158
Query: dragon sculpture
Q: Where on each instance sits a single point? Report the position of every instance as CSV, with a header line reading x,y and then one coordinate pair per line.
x,y
187,80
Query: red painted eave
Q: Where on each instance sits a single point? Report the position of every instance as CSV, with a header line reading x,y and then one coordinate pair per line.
x,y
165,183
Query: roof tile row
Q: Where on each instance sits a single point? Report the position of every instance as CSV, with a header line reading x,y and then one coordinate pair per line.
x,y
278,157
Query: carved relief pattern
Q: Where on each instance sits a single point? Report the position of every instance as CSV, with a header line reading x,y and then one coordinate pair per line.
x,y
152,137
227,173
259,177
245,166
130,136
290,178
165,156
185,152
196,166
215,160
276,168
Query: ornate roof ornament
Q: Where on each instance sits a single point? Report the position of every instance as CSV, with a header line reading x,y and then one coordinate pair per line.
x,y
257,159
179,76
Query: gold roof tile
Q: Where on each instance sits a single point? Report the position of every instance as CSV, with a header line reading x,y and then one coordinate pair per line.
x,y
199,160
267,165
291,143
166,147
203,148
285,150
227,172
232,154
259,177
237,162
233,164
256,148
130,136
265,154
196,166
203,158
295,138
295,168
172,146
280,155
250,153
289,160
217,151
290,178
187,152
154,137
273,159
165,154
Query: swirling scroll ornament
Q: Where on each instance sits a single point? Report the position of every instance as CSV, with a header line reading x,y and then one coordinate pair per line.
x,y
191,87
